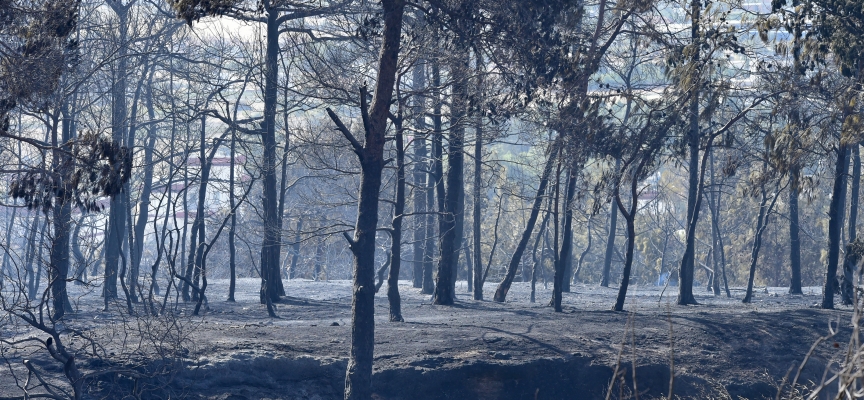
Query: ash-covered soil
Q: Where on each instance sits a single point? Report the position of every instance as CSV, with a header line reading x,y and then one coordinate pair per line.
x,y
474,350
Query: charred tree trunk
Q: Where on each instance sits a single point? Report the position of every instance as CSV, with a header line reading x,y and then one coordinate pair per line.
x,y
146,188
794,238
396,234
469,261
58,271
430,248
849,263
454,207
358,379
201,211
504,286
686,271
271,243
437,180
630,223
534,259
713,207
283,191
566,240
836,211
478,210
232,229
610,239
761,224
856,188
117,213
419,175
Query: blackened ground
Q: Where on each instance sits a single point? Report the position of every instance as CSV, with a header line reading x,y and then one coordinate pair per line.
x,y
516,350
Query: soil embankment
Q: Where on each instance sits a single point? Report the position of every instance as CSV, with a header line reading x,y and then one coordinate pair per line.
x,y
486,350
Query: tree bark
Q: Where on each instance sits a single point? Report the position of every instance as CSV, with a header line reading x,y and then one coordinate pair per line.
x,y
610,239
454,207
271,243
794,238
685,273
504,286
478,209
566,240
534,260
855,187
629,221
836,211
396,233
418,174
761,224
436,179
146,188
232,230
62,213
117,213
358,379
430,247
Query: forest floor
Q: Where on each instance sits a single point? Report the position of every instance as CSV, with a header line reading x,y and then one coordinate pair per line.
x,y
719,349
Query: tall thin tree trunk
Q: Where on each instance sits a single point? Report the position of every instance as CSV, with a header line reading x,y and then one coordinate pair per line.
x,y
436,183
283,191
794,238
761,224
430,248
418,174
850,263
479,198
504,286
454,207
358,379
201,211
855,187
566,239
836,211
478,208
610,239
469,260
396,234
686,271
714,208
232,230
630,223
146,188
271,242
117,213
535,262
62,213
